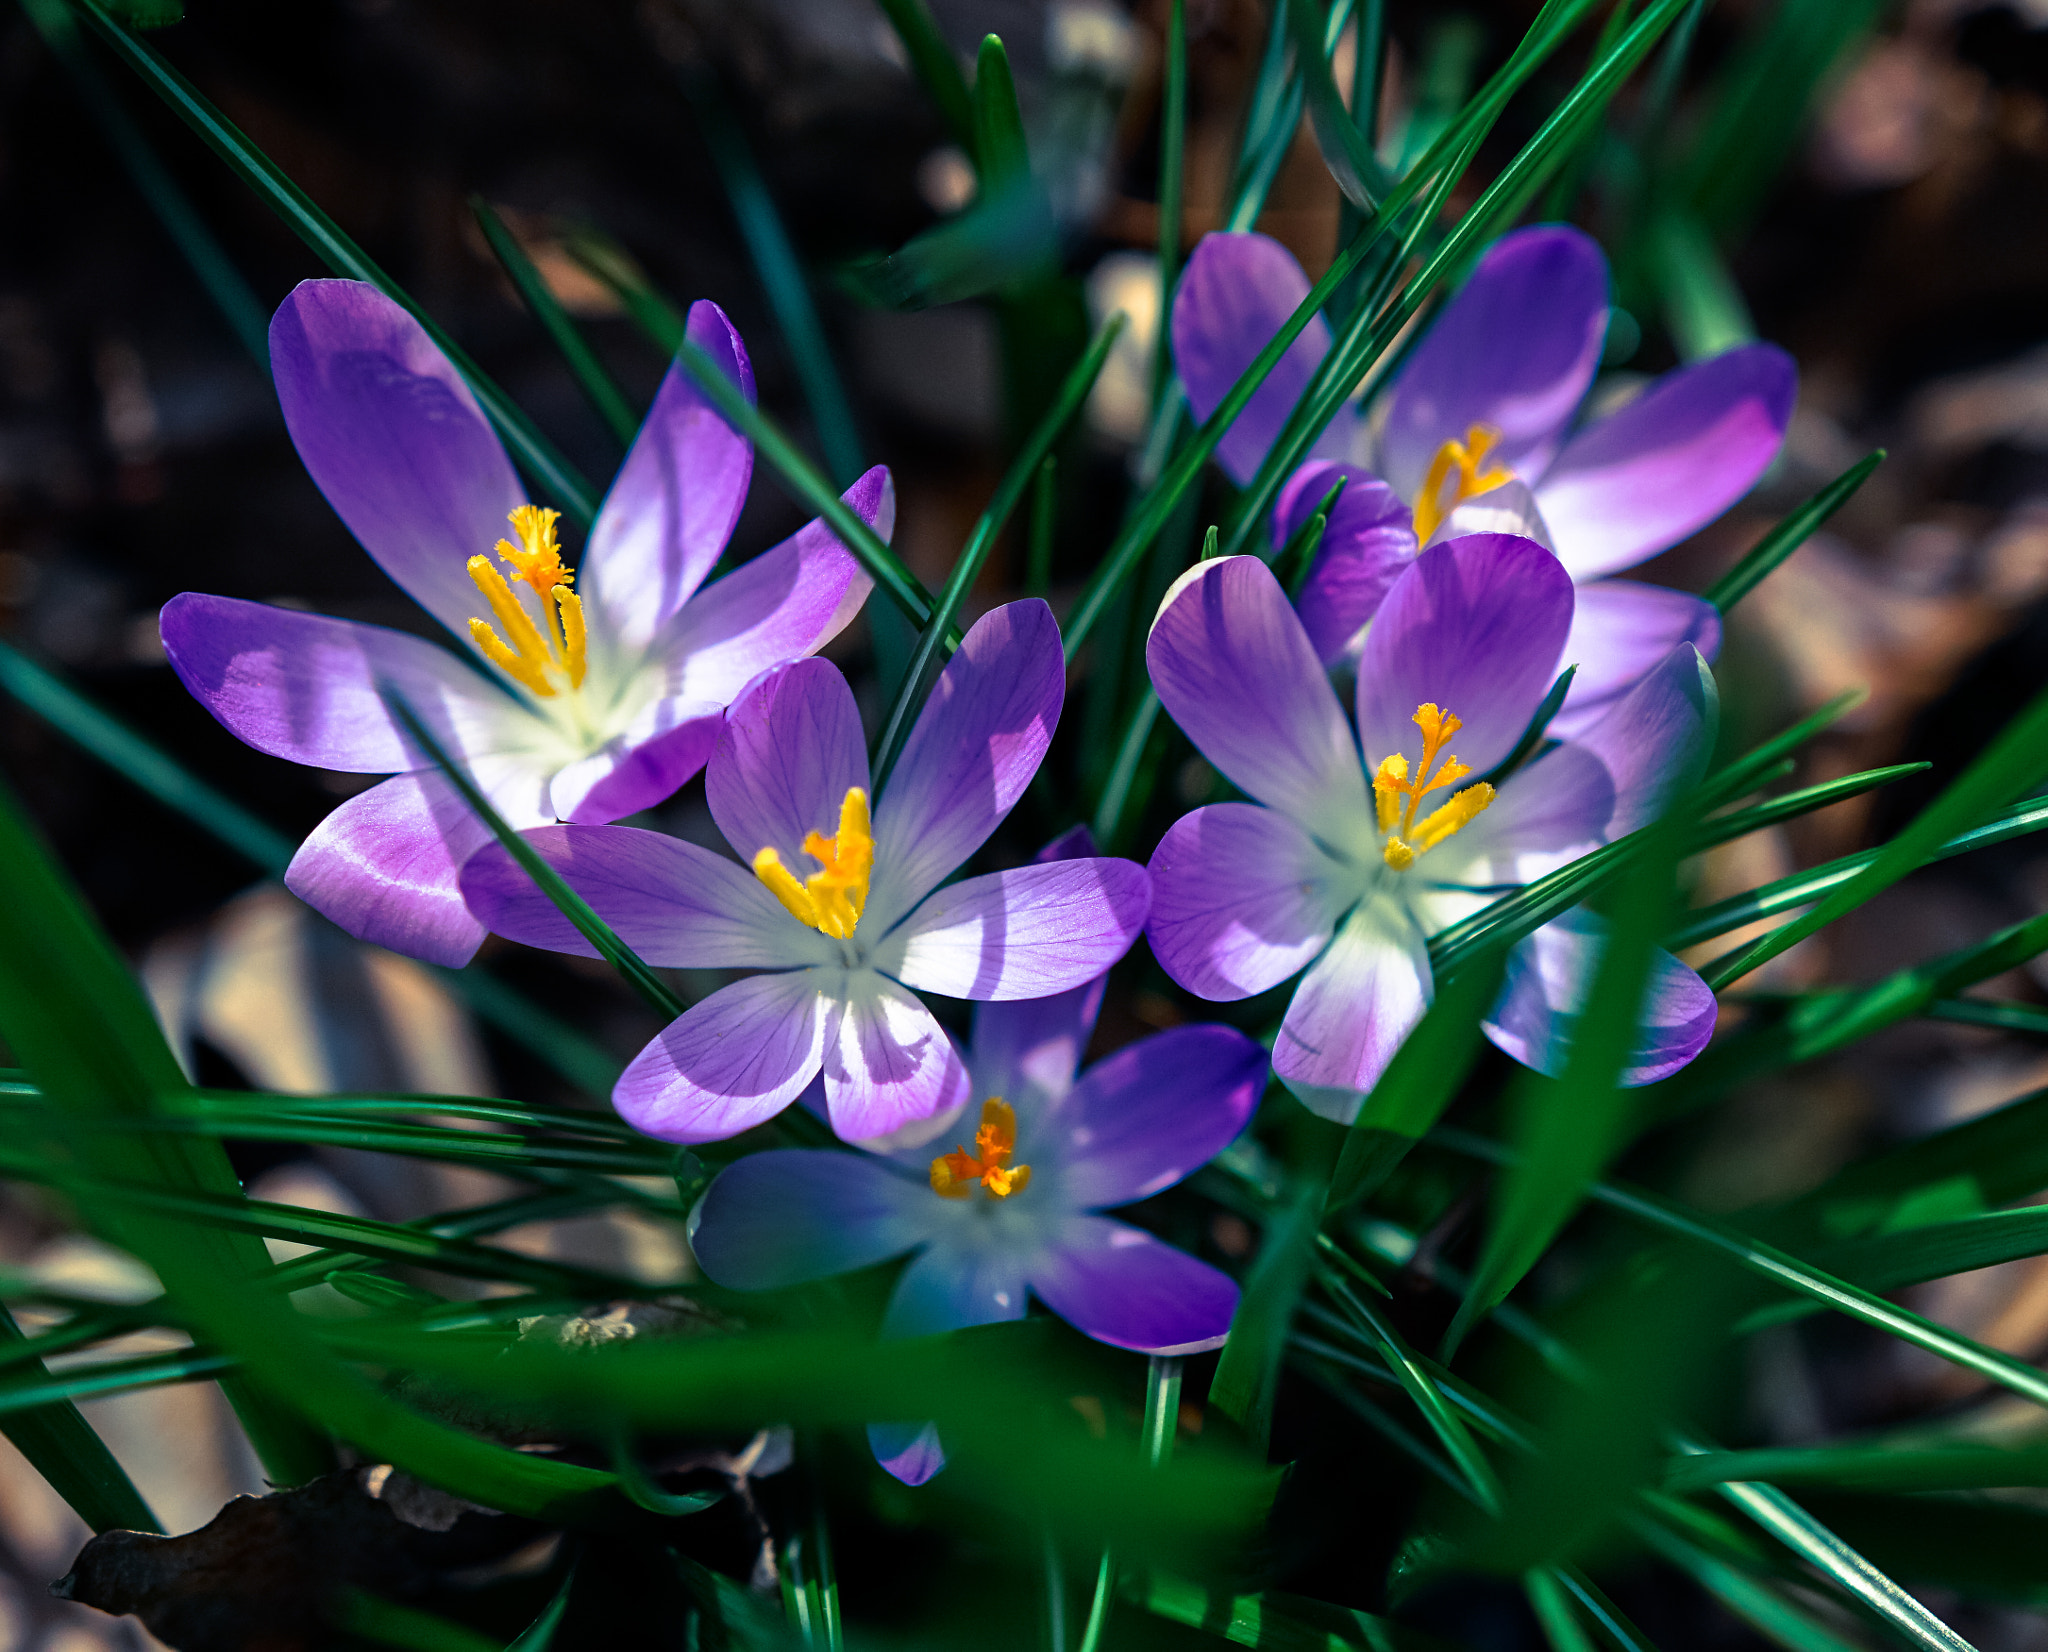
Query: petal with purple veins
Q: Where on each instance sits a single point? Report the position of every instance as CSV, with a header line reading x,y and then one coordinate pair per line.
x,y
1549,976
1242,898
674,502
793,1215
315,690
1655,740
1020,933
1621,632
1475,628
677,905
1667,463
1141,1119
791,749
973,750
730,1062
1235,294
1234,668
887,1061
1368,541
393,437
660,750
784,604
1353,1009
1119,1285
1514,350
383,866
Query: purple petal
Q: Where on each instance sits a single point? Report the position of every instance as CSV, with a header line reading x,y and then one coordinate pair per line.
x,y
909,1451
887,1062
1474,627
793,1215
1235,294
786,603
791,749
394,439
1621,631
1515,350
1352,1010
1119,1285
1668,462
1656,741
1143,1118
307,688
661,749
1549,976
1235,670
1022,933
1027,1050
1241,899
1369,540
730,1062
971,753
383,866
678,906
674,502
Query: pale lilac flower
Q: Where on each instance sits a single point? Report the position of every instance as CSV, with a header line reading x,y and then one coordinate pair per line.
x,y
788,786
1040,1153
1475,435
576,704
1339,866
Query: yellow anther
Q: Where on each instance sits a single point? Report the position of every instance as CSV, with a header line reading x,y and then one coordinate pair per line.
x,y
955,1175
1465,458
531,653
831,899
1395,795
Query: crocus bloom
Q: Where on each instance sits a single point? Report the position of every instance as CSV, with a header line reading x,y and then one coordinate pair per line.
x,y
1475,435
788,786
1013,1211
1346,869
583,695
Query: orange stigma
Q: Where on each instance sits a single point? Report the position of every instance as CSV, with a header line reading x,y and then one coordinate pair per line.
x,y
955,1174
1395,796
1465,458
532,655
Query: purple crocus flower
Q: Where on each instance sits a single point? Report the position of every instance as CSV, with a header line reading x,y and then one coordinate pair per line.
x,y
1015,1212
1345,867
565,701
788,786
1475,435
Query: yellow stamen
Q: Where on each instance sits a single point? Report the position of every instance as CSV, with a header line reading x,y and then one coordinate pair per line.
x,y
1471,481
831,899
956,1174
530,653
1395,795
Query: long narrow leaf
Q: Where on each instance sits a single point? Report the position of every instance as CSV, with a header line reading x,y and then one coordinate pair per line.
x,y
1790,534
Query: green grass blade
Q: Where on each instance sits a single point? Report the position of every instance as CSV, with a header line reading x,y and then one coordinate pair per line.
x,y
1002,157
19,1401
74,1017
1037,452
536,455
1986,1012
1346,152
1759,766
1900,1464
1272,1621
1722,828
1248,1370
207,259
782,278
1756,1603
1855,1576
591,378
1121,783
1790,534
1552,1604
61,1446
935,66
1703,307
1607,1617
1173,133
1889,1261
659,321
631,967
2000,1156
2013,764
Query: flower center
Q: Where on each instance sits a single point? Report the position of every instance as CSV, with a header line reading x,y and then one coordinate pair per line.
x,y
537,657
955,1174
830,900
1395,795
1457,463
